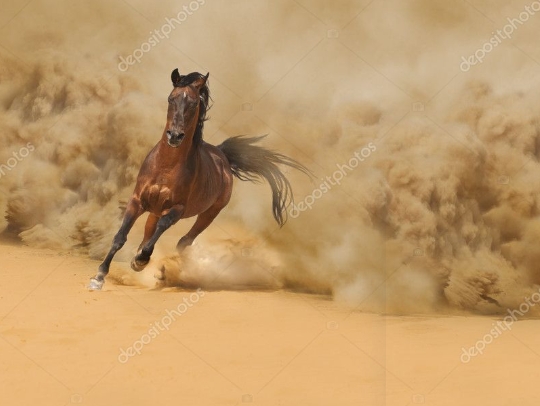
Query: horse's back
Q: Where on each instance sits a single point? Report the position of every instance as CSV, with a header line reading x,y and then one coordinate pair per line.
x,y
217,156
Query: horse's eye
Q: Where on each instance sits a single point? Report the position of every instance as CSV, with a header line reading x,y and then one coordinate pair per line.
x,y
170,99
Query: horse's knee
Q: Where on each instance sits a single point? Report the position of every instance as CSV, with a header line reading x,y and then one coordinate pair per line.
x,y
171,218
165,223
119,241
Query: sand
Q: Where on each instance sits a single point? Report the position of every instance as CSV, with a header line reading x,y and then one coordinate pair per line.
x,y
61,344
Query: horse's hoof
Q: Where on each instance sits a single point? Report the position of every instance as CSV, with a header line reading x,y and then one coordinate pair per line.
x,y
183,244
137,265
95,284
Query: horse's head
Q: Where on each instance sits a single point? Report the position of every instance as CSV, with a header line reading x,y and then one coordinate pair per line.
x,y
188,103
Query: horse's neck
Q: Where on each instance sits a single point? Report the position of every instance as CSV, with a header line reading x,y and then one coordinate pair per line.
x,y
186,153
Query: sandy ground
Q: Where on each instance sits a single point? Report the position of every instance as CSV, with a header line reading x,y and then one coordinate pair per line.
x,y
61,345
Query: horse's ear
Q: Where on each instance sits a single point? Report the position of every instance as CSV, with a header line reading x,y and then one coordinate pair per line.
x,y
201,81
175,77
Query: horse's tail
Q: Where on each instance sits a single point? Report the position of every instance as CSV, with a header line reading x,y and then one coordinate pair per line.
x,y
253,163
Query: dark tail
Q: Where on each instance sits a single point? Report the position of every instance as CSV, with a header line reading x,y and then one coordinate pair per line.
x,y
253,163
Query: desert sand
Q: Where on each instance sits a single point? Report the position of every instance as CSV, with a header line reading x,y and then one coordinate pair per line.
x,y
60,345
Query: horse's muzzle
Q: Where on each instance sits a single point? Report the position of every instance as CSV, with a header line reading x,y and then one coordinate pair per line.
x,y
174,139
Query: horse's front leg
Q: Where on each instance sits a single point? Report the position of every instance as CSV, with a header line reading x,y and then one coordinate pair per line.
x,y
164,223
133,211
149,230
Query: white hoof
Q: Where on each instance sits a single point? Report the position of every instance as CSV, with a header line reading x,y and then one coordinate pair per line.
x,y
95,284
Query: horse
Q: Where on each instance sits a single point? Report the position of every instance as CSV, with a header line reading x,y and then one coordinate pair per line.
x,y
184,176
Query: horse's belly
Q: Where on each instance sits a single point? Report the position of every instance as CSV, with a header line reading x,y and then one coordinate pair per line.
x,y
193,208
202,197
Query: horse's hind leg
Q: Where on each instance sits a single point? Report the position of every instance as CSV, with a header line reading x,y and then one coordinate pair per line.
x,y
133,211
163,224
203,221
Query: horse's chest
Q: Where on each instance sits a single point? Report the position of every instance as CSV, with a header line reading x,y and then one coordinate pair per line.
x,y
157,198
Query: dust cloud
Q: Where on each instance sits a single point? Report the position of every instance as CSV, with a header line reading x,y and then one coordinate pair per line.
x,y
442,214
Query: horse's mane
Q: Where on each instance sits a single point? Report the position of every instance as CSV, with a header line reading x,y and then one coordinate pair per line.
x,y
204,106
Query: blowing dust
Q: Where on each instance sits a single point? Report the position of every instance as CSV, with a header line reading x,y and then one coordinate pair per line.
x,y
440,212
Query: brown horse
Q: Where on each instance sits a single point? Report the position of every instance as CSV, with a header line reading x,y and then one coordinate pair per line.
x,y
183,176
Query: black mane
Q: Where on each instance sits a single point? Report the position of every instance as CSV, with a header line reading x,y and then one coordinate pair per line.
x,y
204,92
